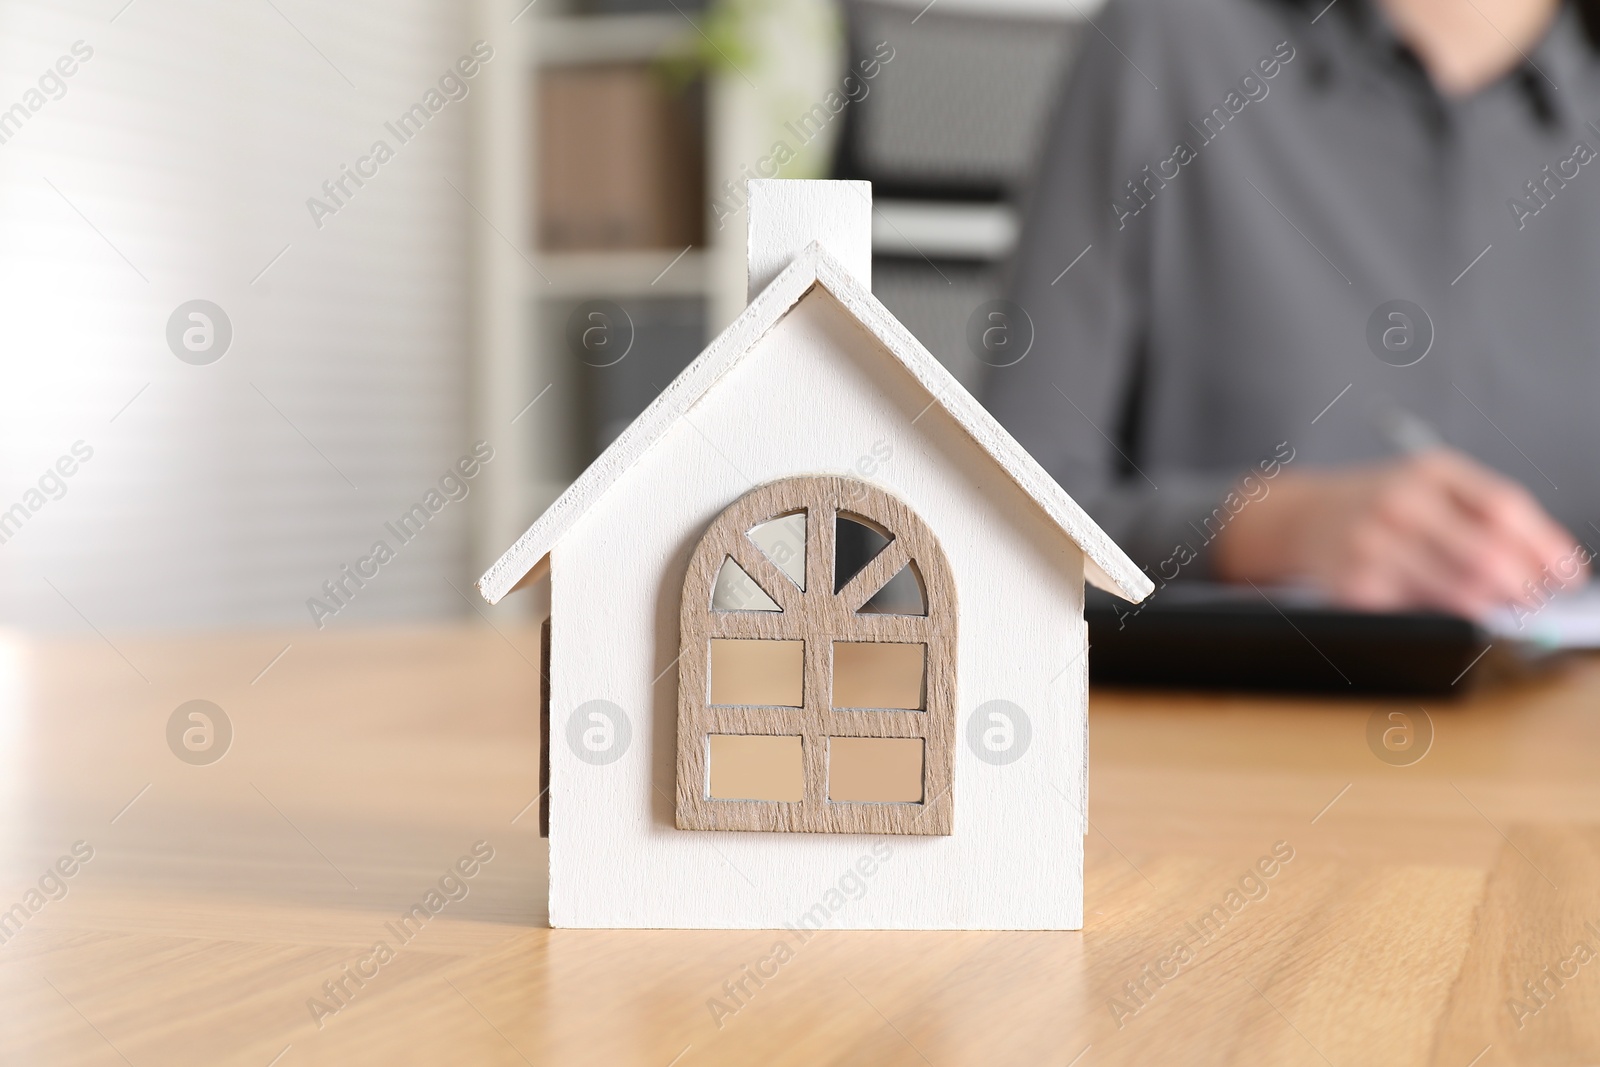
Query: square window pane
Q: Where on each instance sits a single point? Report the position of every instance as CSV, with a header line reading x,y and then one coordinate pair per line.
x,y
878,674
748,767
875,769
757,672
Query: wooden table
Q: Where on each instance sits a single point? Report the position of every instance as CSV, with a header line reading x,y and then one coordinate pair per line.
x,y
220,898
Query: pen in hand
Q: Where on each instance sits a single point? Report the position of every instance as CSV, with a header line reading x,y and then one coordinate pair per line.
x,y
1496,535
1408,432
1429,527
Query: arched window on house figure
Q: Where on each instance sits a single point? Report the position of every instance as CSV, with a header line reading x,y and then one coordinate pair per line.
x,y
817,670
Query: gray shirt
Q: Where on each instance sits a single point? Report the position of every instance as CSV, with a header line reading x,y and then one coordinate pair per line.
x,y
1236,191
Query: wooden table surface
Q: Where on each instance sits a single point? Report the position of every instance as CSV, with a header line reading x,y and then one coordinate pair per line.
x,y
221,898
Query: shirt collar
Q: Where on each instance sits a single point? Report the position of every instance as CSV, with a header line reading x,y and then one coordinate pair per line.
x,y
1549,77
1561,65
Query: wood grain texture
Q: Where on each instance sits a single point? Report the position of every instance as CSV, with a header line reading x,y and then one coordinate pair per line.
x,y
1108,567
207,919
818,616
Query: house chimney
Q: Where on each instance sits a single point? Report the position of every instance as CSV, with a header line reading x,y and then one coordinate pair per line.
x,y
782,217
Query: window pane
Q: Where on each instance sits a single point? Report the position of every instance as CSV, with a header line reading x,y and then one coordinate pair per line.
x,y
855,544
747,767
900,595
784,541
737,591
878,674
875,769
763,673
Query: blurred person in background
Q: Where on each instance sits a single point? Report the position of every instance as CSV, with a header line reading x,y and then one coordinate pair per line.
x,y
1315,295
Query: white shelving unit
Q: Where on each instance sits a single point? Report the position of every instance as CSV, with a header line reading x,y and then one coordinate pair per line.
x,y
608,38
643,273
513,367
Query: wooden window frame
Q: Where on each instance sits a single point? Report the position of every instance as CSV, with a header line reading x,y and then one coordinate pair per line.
x,y
819,617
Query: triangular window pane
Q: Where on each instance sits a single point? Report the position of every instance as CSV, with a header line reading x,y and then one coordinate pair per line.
x,y
784,541
855,544
901,595
737,591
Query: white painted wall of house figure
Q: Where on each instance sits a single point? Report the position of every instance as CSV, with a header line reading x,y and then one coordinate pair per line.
x,y
816,377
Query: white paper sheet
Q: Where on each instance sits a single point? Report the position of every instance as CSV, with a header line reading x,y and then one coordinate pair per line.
x,y
1571,620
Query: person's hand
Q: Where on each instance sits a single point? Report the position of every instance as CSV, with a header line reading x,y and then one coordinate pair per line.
x,y
1434,530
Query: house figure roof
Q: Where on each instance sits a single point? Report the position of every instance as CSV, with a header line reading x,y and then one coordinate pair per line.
x,y
1106,565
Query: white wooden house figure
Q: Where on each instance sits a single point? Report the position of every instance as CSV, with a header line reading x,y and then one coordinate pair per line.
x,y
816,653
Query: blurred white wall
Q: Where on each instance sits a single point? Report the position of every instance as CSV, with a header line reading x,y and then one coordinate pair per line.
x,y
176,165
